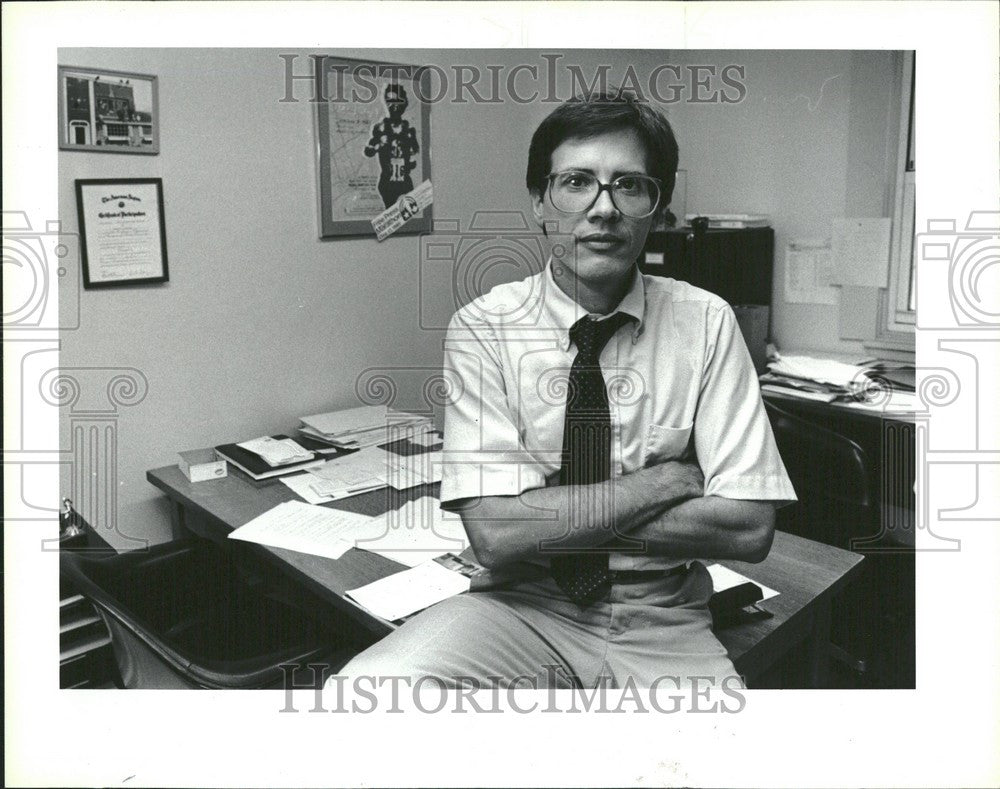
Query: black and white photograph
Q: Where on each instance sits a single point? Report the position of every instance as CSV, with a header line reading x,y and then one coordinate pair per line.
x,y
657,427
108,111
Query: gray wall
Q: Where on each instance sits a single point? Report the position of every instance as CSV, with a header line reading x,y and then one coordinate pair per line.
x,y
262,322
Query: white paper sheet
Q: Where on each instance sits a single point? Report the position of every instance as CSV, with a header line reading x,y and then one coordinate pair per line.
x,y
724,578
861,252
408,471
305,486
303,527
412,590
277,452
809,273
416,532
357,469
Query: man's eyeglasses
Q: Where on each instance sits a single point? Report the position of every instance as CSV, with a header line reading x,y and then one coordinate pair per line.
x,y
574,192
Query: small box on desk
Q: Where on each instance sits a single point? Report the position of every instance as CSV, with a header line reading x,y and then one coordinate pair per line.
x,y
199,465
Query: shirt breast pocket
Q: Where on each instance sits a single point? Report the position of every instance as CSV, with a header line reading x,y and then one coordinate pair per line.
x,y
665,443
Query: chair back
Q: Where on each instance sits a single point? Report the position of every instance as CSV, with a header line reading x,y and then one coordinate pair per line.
x,y
832,478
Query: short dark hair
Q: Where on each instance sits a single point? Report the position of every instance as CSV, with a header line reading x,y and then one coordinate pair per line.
x,y
598,113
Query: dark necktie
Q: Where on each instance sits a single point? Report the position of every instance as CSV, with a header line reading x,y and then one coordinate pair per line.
x,y
586,456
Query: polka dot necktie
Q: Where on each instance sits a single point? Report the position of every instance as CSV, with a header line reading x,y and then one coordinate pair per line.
x,y
586,455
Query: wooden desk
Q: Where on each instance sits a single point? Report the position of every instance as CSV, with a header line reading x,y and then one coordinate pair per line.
x,y
807,574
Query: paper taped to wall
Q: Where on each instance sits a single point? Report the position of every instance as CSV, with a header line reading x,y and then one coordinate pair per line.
x,y
809,272
861,252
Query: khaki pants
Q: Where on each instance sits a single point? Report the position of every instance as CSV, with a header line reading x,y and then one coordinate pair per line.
x,y
532,635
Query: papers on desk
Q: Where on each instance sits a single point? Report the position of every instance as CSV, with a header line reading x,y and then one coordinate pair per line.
x,y
412,590
428,439
417,531
366,470
277,451
724,578
407,471
364,427
303,486
821,371
302,527
354,473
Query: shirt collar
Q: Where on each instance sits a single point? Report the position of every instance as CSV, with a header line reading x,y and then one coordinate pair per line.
x,y
562,311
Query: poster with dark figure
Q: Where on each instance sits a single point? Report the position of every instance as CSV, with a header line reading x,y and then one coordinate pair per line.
x,y
373,133
394,141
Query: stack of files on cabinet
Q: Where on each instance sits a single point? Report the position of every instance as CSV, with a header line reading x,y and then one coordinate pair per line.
x,y
880,387
730,221
367,426
813,378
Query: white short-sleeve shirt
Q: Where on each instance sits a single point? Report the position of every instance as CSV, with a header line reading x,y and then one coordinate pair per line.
x,y
680,385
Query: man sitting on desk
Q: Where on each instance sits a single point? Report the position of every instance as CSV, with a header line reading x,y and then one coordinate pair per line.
x,y
607,429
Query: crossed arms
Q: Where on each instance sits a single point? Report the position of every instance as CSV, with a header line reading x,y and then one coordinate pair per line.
x,y
662,505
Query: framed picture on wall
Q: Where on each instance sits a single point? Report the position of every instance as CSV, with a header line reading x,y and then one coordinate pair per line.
x,y
108,111
373,148
123,235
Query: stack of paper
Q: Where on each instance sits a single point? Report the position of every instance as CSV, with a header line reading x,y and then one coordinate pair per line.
x,y
408,471
812,378
363,471
269,456
364,427
278,451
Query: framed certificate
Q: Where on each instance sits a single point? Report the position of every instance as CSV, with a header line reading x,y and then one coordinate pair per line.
x,y
373,147
123,237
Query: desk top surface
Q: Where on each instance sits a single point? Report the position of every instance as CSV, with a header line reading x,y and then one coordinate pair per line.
x,y
804,572
852,409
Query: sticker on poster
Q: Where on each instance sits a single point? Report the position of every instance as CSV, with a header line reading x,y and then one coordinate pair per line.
x,y
406,207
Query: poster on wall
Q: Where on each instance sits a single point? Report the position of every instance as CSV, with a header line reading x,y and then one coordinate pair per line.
x,y
123,239
108,111
373,148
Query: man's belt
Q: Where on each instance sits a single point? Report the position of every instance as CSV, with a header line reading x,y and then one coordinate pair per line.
x,y
644,576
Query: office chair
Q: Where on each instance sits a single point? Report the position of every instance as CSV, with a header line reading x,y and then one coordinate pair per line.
x,y
832,477
191,614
